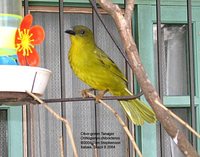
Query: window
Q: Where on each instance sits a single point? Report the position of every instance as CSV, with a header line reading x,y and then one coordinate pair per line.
x,y
174,59
175,71
175,76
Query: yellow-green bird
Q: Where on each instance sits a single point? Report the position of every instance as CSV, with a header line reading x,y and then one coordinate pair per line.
x,y
93,66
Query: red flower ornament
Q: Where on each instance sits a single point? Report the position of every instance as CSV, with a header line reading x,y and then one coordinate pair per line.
x,y
26,38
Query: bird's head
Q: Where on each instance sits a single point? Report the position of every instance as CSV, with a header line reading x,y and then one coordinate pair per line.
x,y
80,34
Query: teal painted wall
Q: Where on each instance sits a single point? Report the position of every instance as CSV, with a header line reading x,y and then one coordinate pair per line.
x,y
15,133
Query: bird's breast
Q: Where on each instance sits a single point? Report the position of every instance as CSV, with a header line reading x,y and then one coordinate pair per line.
x,y
83,65
88,68
80,62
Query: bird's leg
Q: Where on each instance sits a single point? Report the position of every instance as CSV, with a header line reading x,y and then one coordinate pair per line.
x,y
84,92
100,95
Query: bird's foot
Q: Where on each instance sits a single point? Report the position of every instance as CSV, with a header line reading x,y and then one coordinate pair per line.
x,y
84,92
100,95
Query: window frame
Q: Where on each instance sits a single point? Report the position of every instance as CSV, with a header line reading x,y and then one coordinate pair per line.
x,y
169,14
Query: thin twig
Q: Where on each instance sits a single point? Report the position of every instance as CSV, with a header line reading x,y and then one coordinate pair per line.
x,y
61,147
95,151
121,122
64,120
178,119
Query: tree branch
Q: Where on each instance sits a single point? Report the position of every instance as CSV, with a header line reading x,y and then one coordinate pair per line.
x,y
129,11
149,91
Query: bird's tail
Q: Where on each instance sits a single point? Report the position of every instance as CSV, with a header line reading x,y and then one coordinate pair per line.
x,y
137,111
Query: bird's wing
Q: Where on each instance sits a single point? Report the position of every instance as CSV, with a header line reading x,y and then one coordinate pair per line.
x,y
109,64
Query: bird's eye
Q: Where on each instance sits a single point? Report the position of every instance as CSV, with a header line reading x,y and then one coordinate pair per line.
x,y
82,32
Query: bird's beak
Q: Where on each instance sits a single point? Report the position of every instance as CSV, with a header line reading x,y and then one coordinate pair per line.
x,y
70,32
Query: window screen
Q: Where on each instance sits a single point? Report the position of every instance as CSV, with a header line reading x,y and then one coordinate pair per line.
x,y
85,117
3,134
169,148
175,78
174,59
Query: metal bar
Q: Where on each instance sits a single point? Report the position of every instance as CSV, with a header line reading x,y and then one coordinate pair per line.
x,y
30,100
191,68
26,7
160,61
95,104
92,2
62,55
24,122
28,110
159,49
91,99
128,145
28,124
62,69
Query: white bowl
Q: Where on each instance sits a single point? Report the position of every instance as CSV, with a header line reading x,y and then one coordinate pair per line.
x,y
23,78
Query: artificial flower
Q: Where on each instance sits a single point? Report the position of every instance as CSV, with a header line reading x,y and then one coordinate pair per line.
x,y
27,36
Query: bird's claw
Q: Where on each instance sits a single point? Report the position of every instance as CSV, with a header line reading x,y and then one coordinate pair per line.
x,y
100,95
84,92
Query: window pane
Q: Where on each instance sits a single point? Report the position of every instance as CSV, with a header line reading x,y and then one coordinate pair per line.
x,y
169,148
174,58
3,134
